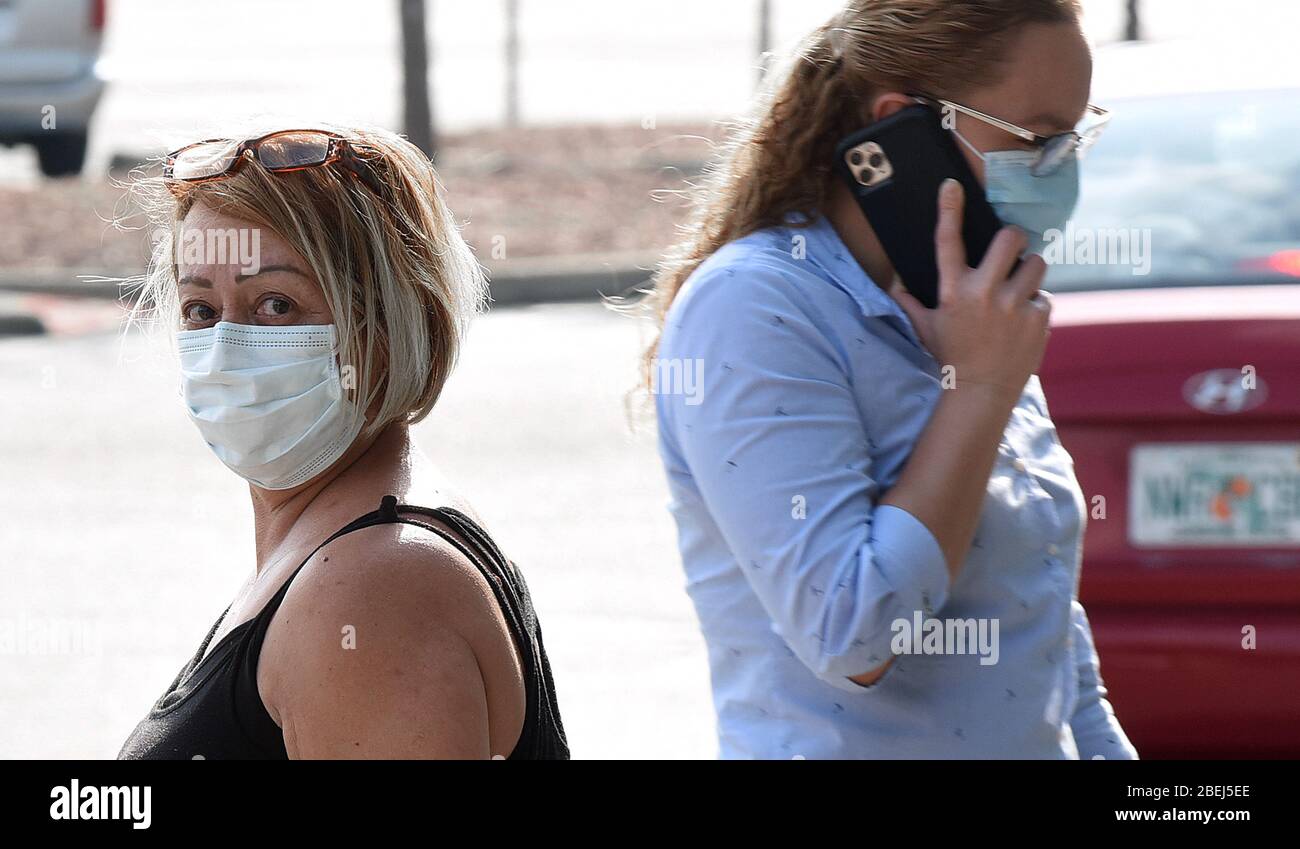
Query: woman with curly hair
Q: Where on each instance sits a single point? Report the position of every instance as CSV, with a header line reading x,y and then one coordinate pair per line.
x,y
885,562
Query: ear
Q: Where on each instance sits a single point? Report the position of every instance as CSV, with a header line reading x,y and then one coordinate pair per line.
x,y
888,103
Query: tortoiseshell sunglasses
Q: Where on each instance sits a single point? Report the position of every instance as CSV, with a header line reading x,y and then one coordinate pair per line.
x,y
278,152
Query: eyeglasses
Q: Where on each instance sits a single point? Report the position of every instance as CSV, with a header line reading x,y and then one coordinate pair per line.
x,y
1053,151
278,152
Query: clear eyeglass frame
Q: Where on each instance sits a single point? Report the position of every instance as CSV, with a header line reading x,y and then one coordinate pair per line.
x,y
1053,151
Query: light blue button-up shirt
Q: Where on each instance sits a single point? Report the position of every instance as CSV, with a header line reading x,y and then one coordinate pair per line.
x,y
790,390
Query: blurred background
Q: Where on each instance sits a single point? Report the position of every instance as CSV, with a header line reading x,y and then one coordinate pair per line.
x,y
563,131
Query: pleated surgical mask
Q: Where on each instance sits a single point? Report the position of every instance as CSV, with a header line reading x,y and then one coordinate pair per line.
x,y
1036,204
268,401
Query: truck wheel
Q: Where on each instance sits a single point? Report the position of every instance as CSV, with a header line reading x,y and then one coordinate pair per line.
x,y
61,154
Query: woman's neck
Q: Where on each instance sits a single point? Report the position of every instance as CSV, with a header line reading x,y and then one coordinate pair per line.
x,y
380,465
844,215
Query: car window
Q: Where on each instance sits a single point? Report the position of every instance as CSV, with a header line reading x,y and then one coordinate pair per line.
x,y
1188,190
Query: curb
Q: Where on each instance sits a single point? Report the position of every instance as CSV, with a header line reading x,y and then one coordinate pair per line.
x,y
534,280
57,282
582,277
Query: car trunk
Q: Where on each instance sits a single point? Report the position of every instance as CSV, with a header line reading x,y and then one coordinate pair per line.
x,y
1198,547
1116,376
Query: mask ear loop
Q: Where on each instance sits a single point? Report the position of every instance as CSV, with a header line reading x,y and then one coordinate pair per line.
x,y
348,373
972,148
956,132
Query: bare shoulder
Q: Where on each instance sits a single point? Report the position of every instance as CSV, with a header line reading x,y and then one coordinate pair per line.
x,y
390,643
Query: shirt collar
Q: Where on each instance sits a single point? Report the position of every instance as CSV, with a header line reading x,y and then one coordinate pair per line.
x,y
828,252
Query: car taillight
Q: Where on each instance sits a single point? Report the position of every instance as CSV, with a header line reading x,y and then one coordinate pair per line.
x,y
1283,262
98,14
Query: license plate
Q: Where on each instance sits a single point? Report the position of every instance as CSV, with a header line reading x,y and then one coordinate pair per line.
x,y
1215,494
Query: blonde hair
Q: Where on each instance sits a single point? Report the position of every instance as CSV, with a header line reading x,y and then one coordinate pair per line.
x,y
777,160
401,282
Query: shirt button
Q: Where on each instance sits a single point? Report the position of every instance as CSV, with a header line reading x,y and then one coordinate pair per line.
x,y
1053,549
1018,465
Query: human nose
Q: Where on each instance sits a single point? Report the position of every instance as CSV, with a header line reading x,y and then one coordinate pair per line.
x,y
232,308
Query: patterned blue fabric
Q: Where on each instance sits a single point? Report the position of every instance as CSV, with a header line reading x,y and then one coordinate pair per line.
x,y
790,389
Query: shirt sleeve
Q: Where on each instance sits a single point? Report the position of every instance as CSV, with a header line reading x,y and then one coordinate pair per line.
x,y
1096,729
779,452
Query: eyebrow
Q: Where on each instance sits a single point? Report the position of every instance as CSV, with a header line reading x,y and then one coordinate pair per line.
x,y
205,283
267,269
1054,122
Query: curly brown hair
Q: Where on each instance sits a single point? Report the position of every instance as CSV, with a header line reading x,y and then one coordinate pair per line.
x,y
777,160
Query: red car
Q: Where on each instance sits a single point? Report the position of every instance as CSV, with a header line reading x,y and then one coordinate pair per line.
x,y
1173,376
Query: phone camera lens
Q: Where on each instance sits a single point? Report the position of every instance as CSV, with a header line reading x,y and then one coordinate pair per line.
x,y
875,160
855,158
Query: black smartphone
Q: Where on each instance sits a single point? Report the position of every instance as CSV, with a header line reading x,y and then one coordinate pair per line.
x,y
894,169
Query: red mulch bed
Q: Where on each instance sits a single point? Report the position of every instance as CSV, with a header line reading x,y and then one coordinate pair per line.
x,y
548,191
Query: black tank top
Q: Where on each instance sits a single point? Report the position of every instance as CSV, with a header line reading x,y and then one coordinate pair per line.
x,y
213,710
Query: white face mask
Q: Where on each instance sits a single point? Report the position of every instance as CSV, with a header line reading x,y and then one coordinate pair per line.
x,y
268,400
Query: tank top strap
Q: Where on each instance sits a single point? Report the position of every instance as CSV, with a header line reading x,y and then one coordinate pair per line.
x,y
375,517
215,705
475,543
508,589
543,732
476,546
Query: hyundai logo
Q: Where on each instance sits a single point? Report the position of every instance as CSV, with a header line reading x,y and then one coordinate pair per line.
x,y
1224,391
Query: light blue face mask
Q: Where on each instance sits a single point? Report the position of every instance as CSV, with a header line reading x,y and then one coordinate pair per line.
x,y
1034,204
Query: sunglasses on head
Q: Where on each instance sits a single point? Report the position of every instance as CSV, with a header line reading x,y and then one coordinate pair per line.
x,y
278,152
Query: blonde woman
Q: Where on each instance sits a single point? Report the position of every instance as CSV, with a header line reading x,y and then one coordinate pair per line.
x,y
320,290
839,509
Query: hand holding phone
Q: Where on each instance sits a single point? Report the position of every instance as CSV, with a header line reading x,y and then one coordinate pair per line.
x,y
894,169
991,322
